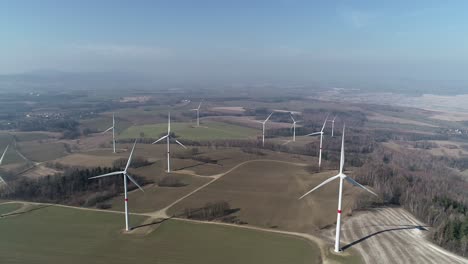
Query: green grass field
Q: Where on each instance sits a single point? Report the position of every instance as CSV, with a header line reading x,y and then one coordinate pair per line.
x,y
102,123
63,235
7,208
206,131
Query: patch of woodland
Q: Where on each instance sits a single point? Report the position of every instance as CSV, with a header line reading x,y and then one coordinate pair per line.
x,y
71,187
220,211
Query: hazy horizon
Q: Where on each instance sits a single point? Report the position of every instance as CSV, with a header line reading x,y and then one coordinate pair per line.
x,y
337,43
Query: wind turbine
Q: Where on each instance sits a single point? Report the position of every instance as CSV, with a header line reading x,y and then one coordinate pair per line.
x,y
342,177
263,128
1,161
294,127
125,176
168,138
333,125
113,131
321,140
198,114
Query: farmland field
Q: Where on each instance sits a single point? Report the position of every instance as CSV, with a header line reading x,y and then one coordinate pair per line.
x,y
102,123
266,194
65,235
206,131
30,136
38,152
8,208
12,156
392,235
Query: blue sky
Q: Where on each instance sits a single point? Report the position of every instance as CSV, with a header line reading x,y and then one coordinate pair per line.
x,y
236,40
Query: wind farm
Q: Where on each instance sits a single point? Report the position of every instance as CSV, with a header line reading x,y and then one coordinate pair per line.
x,y
231,183
266,132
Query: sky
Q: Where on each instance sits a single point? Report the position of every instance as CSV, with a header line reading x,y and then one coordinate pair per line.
x,y
239,41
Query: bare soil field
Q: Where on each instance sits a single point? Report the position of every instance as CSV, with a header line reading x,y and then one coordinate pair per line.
x,y
247,121
266,194
390,119
45,151
451,116
39,171
155,197
86,160
391,235
227,158
91,142
228,109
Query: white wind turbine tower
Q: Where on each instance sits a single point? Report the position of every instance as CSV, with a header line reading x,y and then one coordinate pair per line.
x,y
294,127
321,140
2,181
113,131
198,113
333,125
168,138
342,177
263,128
125,176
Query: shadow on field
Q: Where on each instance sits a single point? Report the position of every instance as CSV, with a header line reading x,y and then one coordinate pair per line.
x,y
212,162
192,166
159,221
25,212
404,227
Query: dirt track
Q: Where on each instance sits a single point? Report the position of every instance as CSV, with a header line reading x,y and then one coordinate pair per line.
x,y
392,235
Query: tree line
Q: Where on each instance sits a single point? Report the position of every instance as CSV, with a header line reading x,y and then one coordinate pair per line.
x,y
72,187
424,185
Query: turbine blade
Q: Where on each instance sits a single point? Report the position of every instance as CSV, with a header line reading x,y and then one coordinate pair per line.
x,y
342,158
199,106
3,155
108,129
107,174
177,141
292,117
314,134
324,123
160,139
130,157
320,185
3,181
355,183
169,123
268,117
134,181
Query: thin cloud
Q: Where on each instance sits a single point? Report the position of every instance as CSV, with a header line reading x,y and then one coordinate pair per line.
x,y
123,51
357,19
